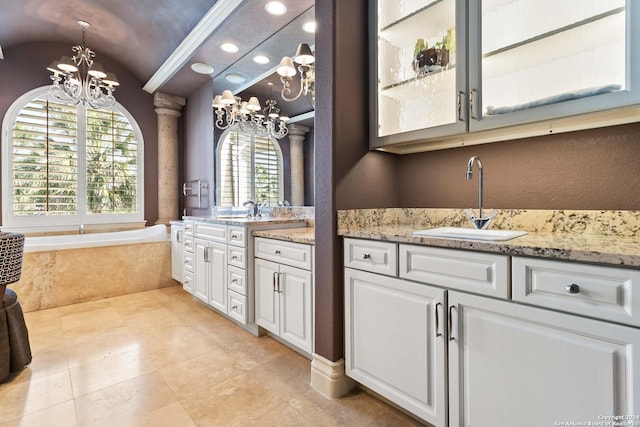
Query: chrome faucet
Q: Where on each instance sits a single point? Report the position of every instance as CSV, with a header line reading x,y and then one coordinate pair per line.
x,y
254,208
480,222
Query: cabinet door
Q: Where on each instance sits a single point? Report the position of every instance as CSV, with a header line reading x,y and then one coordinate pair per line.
x,y
177,267
267,297
296,288
217,259
201,270
533,60
395,344
515,365
420,84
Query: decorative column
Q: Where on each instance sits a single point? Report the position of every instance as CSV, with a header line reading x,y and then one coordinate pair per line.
x,y
296,138
168,109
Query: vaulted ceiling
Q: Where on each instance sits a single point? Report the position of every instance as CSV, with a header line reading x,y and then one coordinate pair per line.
x,y
159,40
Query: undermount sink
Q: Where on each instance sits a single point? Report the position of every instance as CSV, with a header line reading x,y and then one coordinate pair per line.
x,y
470,233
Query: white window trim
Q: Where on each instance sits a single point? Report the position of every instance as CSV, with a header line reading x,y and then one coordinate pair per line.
x,y
223,137
62,222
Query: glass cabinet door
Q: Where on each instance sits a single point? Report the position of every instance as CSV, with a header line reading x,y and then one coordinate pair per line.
x,y
540,59
420,77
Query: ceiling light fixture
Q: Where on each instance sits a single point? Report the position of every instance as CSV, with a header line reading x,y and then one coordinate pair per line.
x,y
229,47
275,8
304,60
235,78
309,27
202,68
78,79
249,116
261,59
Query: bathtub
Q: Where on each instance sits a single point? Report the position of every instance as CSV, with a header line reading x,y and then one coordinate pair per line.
x,y
156,233
69,269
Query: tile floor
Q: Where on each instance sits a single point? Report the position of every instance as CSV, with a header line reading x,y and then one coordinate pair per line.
x,y
158,358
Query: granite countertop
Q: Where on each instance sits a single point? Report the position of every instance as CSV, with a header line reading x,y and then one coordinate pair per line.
x,y
603,237
304,235
241,220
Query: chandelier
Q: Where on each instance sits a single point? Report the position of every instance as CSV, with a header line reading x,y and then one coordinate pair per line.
x,y
249,115
304,60
78,79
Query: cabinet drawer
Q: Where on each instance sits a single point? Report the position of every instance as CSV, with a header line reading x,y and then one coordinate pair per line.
x,y
237,307
237,256
212,232
188,244
481,273
608,293
237,280
187,260
368,255
237,236
283,252
187,282
188,228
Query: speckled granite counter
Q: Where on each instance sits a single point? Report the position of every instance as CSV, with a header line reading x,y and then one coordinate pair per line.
x,y
605,237
304,235
246,221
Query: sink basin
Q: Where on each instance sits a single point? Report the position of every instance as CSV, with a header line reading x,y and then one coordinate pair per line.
x,y
470,233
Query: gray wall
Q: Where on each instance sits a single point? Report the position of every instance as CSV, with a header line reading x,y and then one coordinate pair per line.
x,y
25,68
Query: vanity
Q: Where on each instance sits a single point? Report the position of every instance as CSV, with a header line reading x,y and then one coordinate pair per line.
x,y
538,329
218,263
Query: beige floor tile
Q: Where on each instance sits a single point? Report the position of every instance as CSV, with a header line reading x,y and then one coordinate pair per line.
x,y
160,358
93,376
172,415
136,398
26,397
61,415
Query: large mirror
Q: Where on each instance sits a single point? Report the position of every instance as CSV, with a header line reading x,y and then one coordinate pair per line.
x,y
262,169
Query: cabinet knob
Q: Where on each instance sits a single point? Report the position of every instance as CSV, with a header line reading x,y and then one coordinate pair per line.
x,y
366,256
572,288
278,252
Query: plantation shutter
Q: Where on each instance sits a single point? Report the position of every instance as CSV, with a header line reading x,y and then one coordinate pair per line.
x,y
250,170
111,163
45,159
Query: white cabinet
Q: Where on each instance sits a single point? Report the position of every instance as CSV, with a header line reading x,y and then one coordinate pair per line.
x,y
284,293
210,271
188,260
426,343
454,67
395,343
177,259
515,365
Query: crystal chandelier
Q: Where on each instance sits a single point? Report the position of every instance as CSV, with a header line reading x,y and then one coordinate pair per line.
x,y
304,59
250,116
78,79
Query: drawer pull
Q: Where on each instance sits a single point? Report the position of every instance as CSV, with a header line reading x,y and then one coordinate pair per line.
x,y
572,288
278,252
234,257
366,256
234,280
234,307
234,236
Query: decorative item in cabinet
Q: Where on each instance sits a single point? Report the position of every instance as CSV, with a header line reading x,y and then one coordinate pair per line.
x,y
418,85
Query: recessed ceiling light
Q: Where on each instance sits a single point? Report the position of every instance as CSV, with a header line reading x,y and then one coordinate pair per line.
x,y
202,68
229,47
261,59
309,27
275,8
235,78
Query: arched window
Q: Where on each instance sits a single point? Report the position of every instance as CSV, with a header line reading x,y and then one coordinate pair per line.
x,y
248,167
66,165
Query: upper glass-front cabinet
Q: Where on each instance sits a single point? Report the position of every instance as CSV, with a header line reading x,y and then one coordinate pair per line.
x,y
420,72
523,61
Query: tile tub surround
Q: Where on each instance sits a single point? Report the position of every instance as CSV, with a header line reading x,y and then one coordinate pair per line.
x,y
304,235
61,277
606,237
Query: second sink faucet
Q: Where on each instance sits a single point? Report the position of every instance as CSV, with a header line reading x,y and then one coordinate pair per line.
x,y
254,208
480,222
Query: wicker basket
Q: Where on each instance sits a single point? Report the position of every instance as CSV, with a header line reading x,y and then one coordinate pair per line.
x,y
11,248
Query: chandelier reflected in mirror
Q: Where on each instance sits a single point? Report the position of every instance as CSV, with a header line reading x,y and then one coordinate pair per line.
x,y
78,79
305,61
249,115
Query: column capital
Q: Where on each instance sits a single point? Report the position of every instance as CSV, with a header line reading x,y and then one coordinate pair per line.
x,y
298,130
163,100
